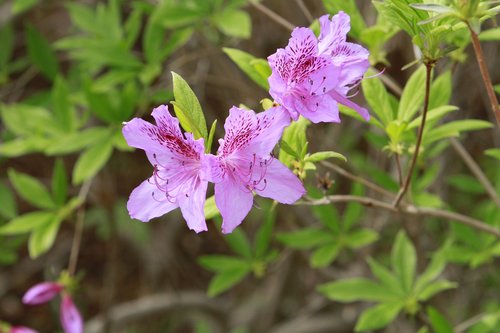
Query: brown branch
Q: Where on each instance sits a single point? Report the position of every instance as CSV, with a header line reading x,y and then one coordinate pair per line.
x,y
272,15
398,166
406,184
476,170
357,179
485,74
304,10
406,209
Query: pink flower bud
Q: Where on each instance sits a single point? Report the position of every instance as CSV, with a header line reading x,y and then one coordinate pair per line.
x,y
42,293
71,320
21,329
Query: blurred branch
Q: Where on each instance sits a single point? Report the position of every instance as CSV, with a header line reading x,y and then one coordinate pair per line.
x,y
469,323
357,179
272,15
428,73
476,170
123,314
5,13
391,84
305,10
406,209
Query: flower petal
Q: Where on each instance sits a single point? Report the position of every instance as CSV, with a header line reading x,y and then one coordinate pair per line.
x,y
147,201
234,203
166,121
333,32
143,135
347,102
21,329
42,293
281,184
317,109
192,206
71,320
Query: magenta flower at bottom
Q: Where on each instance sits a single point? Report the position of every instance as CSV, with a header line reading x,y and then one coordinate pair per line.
x,y
71,320
244,165
42,293
21,329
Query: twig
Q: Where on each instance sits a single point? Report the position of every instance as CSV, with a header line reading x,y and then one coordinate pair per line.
x,y
468,323
398,166
357,179
476,170
391,84
406,184
406,209
272,15
485,74
306,11
80,219
125,313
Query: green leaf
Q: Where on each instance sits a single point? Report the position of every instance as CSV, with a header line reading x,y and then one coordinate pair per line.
x,y
466,183
294,136
325,255
59,183
305,238
28,120
378,316
361,237
413,95
404,261
493,152
454,128
41,53
440,91
378,98
490,35
355,289
78,140
173,16
239,243
432,7
8,208
225,280
218,263
438,321
91,161
208,145
244,61
19,6
188,109
434,114
210,208
26,223
323,155
7,42
387,278
434,288
236,23
30,189
264,234
43,237
63,110
433,270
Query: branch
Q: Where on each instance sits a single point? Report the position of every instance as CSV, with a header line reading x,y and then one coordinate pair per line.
x,y
476,170
272,15
306,11
406,185
357,179
485,74
406,209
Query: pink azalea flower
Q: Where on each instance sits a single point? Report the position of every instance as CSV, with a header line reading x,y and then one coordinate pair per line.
x,y
71,320
244,164
178,175
310,76
42,293
21,329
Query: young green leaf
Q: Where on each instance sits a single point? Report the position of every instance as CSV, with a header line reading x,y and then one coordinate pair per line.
x,y
7,42
361,237
41,53
438,321
434,288
76,141
378,316
91,161
26,223
210,208
239,243
404,261
493,152
454,128
244,61
8,208
188,109
378,98
413,95
43,237
356,289
226,279
305,238
62,108
30,189
325,255
323,155
208,144
387,278
219,263
59,183
235,23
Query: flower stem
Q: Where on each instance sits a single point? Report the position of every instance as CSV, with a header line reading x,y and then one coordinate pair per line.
x,y
485,74
275,17
428,66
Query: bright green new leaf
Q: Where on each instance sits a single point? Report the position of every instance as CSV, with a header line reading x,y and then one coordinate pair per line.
x,y
226,279
361,237
78,140
19,6
493,152
386,277
208,144
43,237
41,53
219,263
438,321
305,238
188,109
235,23
433,114
62,108
404,261
27,120
8,208
325,255
26,223
490,35
91,161
434,288
210,208
238,242
413,95
31,190
59,183
323,155
454,128
440,91
356,289
378,316
378,98
294,136
244,61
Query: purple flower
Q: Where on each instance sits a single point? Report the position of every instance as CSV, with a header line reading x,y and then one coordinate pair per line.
x,y
21,329
310,76
42,293
71,320
178,175
244,164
